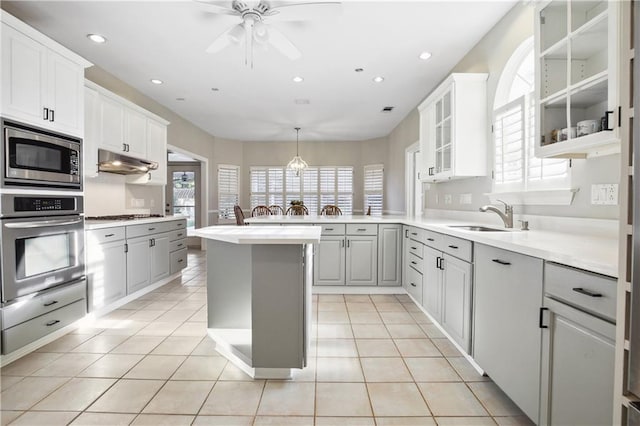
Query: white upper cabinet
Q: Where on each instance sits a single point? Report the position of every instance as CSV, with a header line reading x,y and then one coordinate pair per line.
x,y
42,82
577,51
117,125
453,129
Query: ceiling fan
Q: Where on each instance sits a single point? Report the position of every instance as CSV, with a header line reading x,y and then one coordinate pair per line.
x,y
253,28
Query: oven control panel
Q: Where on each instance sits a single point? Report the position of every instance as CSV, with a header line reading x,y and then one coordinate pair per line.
x,y
38,204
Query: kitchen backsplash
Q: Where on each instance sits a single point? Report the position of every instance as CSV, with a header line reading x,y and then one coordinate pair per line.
x,y
109,194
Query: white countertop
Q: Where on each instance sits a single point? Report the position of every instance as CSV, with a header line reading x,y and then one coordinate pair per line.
x,y
262,234
593,253
101,224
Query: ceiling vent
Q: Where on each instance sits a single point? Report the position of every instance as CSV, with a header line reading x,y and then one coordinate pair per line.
x,y
387,109
302,101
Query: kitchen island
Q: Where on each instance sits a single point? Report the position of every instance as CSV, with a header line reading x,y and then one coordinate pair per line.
x,y
259,296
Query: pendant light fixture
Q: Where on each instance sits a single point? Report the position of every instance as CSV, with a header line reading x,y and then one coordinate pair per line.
x,y
297,164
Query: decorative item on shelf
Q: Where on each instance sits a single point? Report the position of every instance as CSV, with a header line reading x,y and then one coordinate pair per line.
x,y
587,127
297,164
568,133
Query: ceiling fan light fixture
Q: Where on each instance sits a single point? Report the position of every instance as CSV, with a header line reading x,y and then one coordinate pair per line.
x,y
297,164
156,81
425,55
378,79
236,34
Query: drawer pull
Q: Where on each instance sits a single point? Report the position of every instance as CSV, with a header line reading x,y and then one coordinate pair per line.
x,y
180,235
414,233
414,285
328,229
453,247
109,235
53,302
414,262
430,239
501,262
586,292
180,260
180,245
414,248
50,323
361,229
151,229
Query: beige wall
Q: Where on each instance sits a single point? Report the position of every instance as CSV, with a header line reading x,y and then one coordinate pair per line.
x,y
405,134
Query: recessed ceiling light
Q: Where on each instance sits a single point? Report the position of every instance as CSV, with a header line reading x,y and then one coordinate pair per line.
x,y
359,69
180,99
215,89
96,38
302,101
425,55
156,81
378,79
298,79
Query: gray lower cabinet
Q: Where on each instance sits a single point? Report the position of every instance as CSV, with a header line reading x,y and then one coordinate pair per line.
x,y
159,265
107,275
456,299
390,255
139,251
362,260
506,335
432,283
405,257
578,354
328,262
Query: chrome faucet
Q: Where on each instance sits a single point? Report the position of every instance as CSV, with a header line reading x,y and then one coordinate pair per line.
x,y
507,216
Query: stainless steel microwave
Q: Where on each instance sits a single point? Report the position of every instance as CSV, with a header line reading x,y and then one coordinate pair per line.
x,y
37,158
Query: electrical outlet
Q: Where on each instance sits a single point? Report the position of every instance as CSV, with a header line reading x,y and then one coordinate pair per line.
x,y
448,199
604,194
465,198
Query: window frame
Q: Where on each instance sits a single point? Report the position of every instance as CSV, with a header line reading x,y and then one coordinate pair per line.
x,y
376,191
228,216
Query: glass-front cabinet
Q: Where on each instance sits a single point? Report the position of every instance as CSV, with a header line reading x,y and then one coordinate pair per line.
x,y
576,78
453,127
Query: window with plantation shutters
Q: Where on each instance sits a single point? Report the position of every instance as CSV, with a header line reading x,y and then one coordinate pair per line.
x,y
516,168
228,190
373,188
315,187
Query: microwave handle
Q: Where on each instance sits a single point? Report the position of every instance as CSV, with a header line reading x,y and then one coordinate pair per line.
x,y
42,224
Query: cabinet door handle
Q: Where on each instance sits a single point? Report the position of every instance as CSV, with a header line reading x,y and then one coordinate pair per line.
x,y
52,117
406,233
45,113
607,121
438,262
348,243
151,242
414,285
108,235
53,302
126,248
542,317
501,262
453,247
50,323
342,245
430,171
124,147
586,292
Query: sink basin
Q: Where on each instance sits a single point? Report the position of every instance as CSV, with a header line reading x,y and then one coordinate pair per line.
x,y
477,228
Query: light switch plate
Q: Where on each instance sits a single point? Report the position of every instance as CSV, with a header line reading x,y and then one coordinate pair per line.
x,y
604,194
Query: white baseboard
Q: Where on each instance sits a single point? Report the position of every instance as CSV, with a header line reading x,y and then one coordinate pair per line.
x,y
343,289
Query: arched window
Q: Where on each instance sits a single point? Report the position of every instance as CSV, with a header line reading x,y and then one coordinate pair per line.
x,y
516,168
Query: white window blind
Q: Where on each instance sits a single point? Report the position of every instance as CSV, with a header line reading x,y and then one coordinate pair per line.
x,y
373,188
228,190
509,139
316,187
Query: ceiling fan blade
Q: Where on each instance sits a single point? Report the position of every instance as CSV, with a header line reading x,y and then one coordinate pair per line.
x,y
304,11
211,7
226,38
283,44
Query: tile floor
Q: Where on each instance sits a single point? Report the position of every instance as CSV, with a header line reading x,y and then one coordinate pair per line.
x,y
376,360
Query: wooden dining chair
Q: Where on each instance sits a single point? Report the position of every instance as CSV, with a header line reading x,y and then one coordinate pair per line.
x,y
260,211
297,210
331,210
237,210
276,209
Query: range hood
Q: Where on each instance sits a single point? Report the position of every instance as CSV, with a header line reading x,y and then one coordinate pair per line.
x,y
123,165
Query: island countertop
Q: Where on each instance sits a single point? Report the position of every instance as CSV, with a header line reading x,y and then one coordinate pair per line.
x,y
261,234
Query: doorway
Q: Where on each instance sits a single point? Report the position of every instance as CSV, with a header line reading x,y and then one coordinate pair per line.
x,y
184,192
413,184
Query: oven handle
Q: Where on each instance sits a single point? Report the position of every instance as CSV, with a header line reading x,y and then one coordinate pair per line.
x,y
42,224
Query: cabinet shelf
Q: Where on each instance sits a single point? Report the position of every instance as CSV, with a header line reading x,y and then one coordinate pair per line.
x,y
588,146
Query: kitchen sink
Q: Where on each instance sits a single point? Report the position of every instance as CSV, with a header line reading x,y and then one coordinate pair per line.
x,y
477,228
